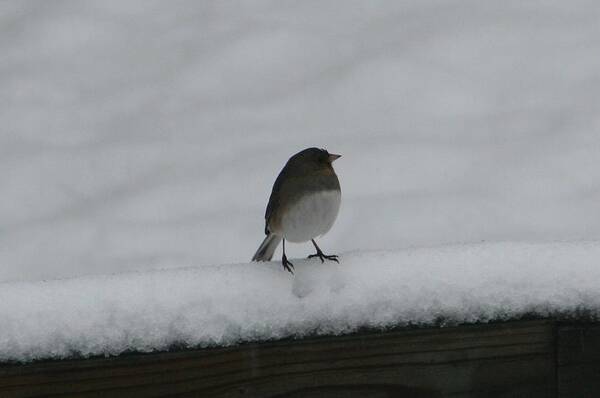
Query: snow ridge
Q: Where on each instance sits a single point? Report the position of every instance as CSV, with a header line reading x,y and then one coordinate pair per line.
x,y
228,304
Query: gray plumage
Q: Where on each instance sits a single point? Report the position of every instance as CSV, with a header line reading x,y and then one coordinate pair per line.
x,y
267,248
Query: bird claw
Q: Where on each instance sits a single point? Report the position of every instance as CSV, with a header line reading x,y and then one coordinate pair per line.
x,y
287,265
323,257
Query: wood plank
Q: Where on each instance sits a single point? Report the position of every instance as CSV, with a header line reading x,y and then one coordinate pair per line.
x,y
578,358
507,359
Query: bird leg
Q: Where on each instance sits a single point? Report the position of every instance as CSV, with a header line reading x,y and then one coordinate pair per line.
x,y
322,256
284,261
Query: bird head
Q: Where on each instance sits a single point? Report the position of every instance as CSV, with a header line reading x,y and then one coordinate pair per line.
x,y
316,156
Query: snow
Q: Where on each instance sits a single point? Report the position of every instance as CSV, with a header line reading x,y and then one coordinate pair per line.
x,y
227,304
141,139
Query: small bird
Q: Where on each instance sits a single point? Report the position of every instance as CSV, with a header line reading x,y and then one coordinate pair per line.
x,y
304,204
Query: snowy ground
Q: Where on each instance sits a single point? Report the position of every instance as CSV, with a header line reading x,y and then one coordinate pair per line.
x,y
146,135
244,302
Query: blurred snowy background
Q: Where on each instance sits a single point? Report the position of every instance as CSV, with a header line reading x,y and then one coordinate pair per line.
x,y
139,135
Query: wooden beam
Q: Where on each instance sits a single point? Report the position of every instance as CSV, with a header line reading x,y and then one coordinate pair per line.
x,y
478,360
578,359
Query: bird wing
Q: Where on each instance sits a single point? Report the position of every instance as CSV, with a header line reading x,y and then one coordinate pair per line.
x,y
273,204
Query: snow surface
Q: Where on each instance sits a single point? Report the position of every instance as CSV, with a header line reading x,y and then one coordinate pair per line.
x,y
227,304
147,135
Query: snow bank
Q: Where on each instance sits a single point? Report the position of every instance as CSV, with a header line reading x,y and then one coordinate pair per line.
x,y
130,133
228,304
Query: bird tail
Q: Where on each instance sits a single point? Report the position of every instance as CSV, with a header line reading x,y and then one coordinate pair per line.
x,y
267,248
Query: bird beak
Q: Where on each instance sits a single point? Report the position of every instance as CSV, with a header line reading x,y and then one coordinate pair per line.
x,y
333,157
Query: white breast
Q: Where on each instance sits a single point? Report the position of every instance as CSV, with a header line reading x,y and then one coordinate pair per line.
x,y
311,216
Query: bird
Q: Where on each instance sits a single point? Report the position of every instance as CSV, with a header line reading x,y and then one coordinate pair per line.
x,y
303,205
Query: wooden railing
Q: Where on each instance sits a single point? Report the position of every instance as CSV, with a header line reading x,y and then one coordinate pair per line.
x,y
540,358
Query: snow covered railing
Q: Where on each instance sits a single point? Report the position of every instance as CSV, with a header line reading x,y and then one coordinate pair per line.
x,y
541,358
246,317
230,304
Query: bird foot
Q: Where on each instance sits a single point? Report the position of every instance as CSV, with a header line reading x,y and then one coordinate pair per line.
x,y
287,265
324,257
